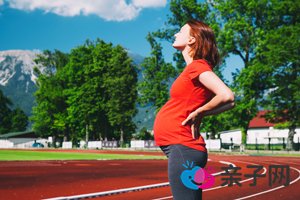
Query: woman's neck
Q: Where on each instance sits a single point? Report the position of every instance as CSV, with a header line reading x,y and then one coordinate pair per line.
x,y
186,56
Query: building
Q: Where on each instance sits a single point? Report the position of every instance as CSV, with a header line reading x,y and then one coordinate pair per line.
x,y
20,140
260,132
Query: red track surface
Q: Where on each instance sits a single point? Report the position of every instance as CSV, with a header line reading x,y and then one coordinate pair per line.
x,y
46,179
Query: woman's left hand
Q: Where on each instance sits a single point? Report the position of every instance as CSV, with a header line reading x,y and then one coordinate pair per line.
x,y
194,120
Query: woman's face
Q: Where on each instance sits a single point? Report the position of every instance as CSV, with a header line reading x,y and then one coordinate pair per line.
x,y
182,38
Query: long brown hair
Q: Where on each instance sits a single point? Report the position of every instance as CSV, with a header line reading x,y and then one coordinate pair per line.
x,y
205,46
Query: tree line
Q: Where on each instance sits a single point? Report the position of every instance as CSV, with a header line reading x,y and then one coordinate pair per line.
x,y
11,120
88,94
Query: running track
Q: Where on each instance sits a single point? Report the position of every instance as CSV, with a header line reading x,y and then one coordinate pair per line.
x,y
50,179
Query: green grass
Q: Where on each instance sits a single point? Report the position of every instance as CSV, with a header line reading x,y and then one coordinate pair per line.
x,y
276,154
265,147
14,155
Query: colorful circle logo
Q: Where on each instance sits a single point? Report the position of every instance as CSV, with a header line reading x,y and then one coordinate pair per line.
x,y
196,177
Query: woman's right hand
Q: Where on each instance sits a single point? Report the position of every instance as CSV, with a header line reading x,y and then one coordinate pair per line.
x,y
194,120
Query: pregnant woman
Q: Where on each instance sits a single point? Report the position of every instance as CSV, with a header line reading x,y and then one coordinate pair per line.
x,y
196,93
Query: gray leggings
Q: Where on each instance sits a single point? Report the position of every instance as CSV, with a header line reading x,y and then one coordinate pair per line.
x,y
177,156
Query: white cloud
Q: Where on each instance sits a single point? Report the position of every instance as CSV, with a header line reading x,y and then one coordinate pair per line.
x,y
111,10
1,2
149,3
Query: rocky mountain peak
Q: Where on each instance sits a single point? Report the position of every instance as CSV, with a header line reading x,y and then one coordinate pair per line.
x,y
11,59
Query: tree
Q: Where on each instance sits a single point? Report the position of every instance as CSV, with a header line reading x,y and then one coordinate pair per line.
x,y
244,25
86,99
101,90
89,93
5,114
48,114
144,134
19,120
11,120
280,53
120,83
154,89
213,125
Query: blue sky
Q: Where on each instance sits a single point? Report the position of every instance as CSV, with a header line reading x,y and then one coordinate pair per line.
x,y
65,24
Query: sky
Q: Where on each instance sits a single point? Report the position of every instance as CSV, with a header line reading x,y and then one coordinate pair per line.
x,y
65,24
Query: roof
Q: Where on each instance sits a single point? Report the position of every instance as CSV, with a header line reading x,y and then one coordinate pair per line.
x,y
259,121
17,134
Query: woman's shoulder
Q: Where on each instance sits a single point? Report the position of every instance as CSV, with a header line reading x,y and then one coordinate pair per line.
x,y
197,67
199,64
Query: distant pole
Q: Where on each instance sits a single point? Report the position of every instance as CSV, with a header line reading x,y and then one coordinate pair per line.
x,y
86,135
256,145
272,147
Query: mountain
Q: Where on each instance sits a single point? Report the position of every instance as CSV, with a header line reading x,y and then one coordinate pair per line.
x,y
17,79
145,116
18,82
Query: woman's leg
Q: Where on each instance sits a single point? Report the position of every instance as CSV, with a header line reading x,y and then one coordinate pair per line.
x,y
177,156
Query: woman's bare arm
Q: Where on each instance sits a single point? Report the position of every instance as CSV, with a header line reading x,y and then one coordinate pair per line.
x,y
219,109
222,101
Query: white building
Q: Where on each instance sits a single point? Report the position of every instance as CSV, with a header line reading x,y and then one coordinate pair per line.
x,y
260,132
20,140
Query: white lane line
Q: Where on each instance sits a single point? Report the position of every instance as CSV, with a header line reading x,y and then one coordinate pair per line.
x,y
105,193
162,198
110,192
227,163
271,190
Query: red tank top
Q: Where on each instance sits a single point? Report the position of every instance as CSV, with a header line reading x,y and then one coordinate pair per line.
x,y
186,95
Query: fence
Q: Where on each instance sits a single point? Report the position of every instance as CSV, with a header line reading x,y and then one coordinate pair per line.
x,y
149,144
91,144
6,144
21,142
